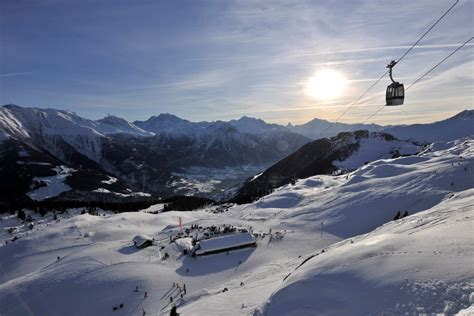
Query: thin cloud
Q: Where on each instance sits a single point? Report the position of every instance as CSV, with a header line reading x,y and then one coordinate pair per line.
x,y
330,52
11,74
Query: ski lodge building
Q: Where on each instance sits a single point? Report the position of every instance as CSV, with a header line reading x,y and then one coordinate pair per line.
x,y
224,243
142,241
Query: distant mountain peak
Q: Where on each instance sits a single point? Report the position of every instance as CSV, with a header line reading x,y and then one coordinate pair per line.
x,y
252,125
317,120
11,106
165,117
250,119
464,115
112,119
113,124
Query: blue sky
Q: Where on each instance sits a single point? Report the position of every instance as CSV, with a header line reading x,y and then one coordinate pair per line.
x,y
210,60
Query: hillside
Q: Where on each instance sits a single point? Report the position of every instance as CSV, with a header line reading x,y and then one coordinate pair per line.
x,y
342,153
294,224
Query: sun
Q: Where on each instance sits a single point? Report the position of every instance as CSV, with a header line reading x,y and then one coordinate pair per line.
x,y
326,84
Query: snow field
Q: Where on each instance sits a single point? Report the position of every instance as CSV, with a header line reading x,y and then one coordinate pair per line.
x,y
370,264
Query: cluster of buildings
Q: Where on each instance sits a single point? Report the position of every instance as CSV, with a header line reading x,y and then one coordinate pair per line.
x,y
213,240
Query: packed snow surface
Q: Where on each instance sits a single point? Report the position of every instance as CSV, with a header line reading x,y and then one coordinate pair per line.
x,y
420,264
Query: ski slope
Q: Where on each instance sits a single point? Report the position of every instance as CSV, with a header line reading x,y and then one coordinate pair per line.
x,y
419,264
422,263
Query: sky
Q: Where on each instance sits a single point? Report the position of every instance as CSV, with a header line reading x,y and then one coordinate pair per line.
x,y
222,59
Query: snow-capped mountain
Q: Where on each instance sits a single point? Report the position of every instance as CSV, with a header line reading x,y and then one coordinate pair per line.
x,y
342,153
116,125
49,127
318,128
171,125
327,245
255,126
145,155
162,154
458,126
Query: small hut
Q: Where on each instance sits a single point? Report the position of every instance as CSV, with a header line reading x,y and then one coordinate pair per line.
x,y
142,241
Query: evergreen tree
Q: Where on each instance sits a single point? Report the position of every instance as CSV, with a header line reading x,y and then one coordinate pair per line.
x,y
42,211
397,216
21,215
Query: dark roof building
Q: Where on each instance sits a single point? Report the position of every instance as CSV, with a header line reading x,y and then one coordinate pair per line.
x,y
142,241
224,243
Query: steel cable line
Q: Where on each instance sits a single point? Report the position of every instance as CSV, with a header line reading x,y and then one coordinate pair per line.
x,y
428,30
411,85
424,75
385,73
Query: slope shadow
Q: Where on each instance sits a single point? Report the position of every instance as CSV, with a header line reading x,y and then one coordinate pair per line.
x,y
214,263
128,250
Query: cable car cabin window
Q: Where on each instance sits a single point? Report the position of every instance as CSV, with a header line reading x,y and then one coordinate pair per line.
x,y
401,91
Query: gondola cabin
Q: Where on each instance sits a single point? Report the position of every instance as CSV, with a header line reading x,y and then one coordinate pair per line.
x,y
395,94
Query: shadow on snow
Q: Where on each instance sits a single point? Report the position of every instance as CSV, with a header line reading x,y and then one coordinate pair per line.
x,y
210,264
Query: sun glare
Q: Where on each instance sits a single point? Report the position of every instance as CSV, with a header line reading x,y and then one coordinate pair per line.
x,y
326,84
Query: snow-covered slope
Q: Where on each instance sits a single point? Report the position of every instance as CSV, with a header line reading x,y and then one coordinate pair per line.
x,y
44,125
10,125
18,121
422,262
373,147
342,153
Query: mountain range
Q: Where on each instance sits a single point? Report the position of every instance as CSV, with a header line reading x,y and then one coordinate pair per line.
x,y
164,155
